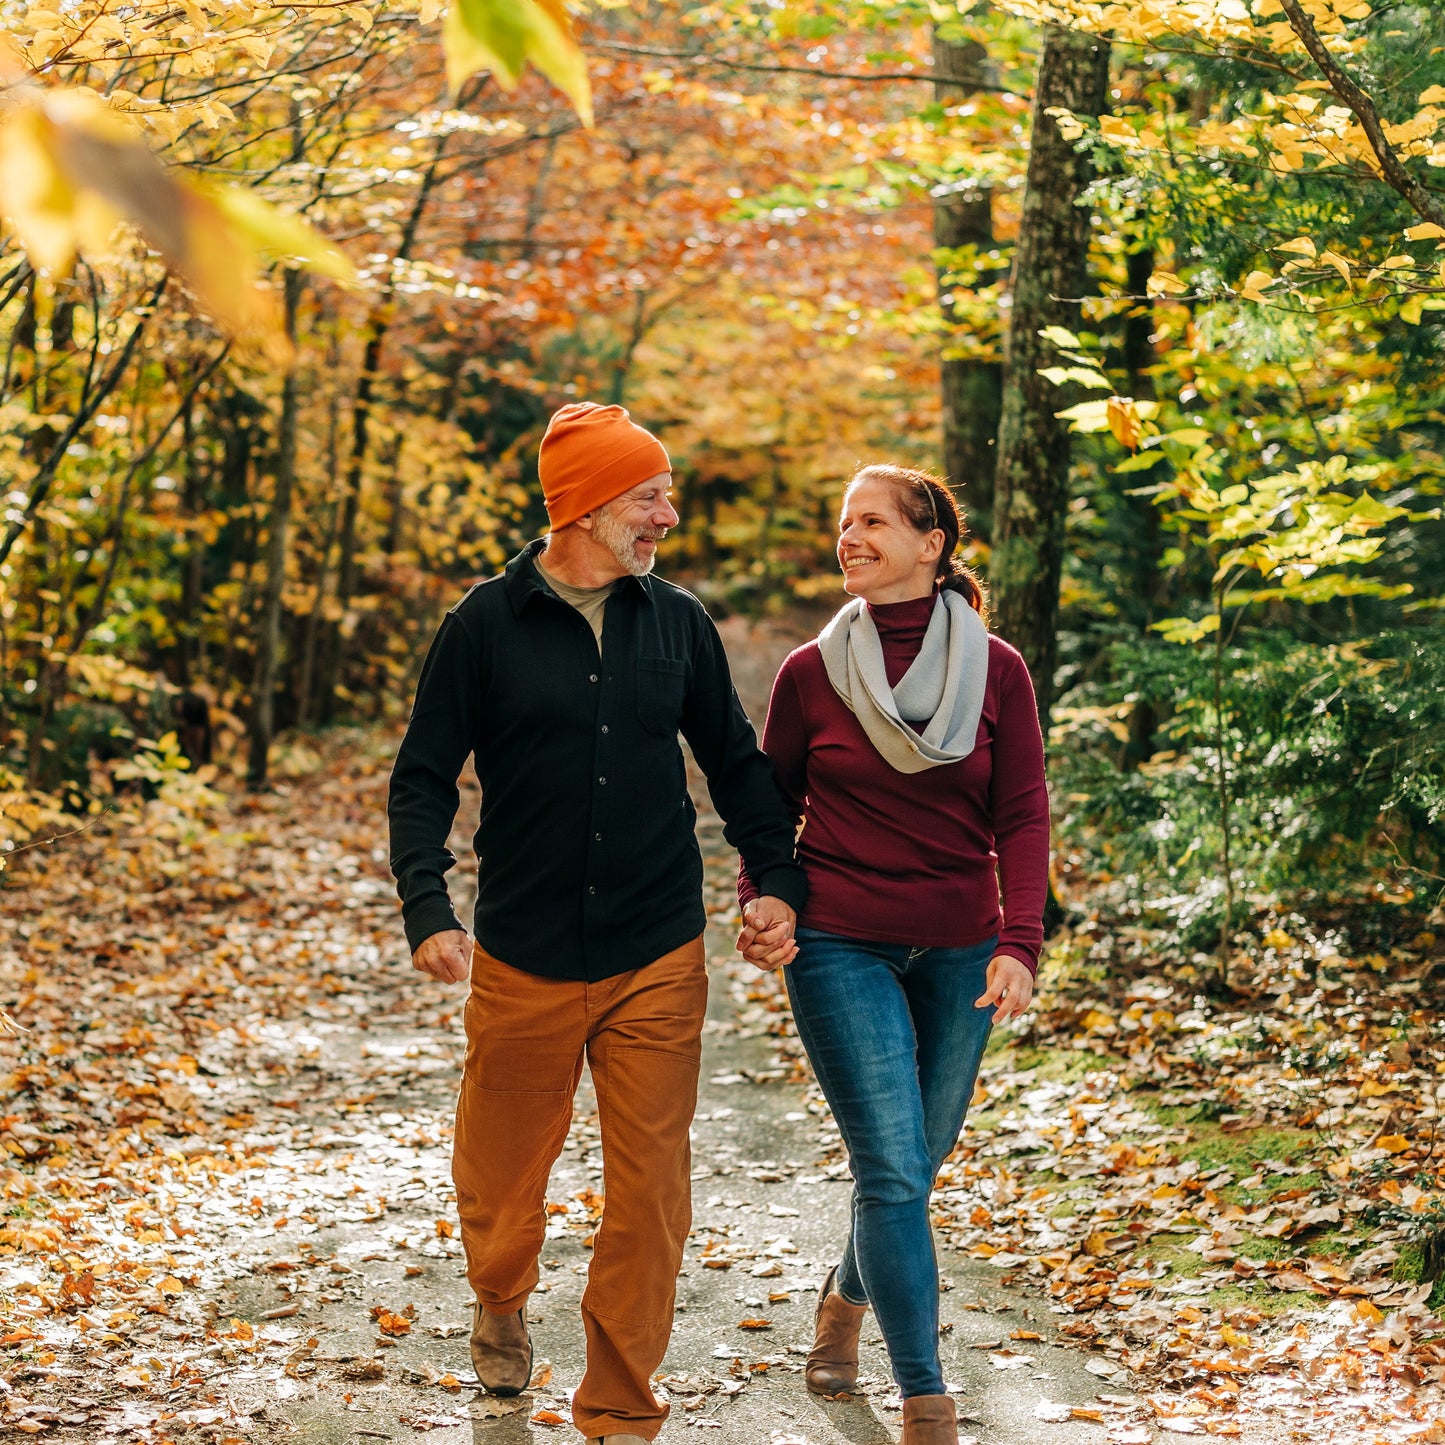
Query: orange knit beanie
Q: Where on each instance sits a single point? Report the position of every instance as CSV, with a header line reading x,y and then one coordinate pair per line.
x,y
592,454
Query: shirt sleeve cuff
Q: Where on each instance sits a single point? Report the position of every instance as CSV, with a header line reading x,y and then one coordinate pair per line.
x,y
788,882
1029,960
435,917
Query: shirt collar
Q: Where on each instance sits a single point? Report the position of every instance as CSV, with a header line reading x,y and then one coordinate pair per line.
x,y
523,581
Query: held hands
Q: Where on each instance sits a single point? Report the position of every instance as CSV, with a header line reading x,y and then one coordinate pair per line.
x,y
445,956
1010,986
767,937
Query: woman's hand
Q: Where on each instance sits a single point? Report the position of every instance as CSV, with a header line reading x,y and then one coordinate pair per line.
x,y
767,937
1010,986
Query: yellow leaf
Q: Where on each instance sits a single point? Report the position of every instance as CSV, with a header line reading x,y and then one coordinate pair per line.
x,y
1254,284
280,232
1397,262
1432,96
1165,283
55,213
1392,1143
1301,246
502,35
1111,128
71,168
1333,258
1425,231
428,11
1277,938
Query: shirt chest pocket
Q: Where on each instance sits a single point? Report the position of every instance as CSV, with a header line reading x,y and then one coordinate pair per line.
x,y
661,691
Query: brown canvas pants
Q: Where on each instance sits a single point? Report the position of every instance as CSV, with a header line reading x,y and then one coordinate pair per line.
x,y
526,1038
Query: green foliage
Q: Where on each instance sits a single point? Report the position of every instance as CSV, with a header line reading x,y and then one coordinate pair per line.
x,y
1336,755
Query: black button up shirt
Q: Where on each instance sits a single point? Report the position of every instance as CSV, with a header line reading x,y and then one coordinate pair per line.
x,y
588,864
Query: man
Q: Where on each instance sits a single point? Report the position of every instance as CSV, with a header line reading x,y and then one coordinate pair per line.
x,y
569,678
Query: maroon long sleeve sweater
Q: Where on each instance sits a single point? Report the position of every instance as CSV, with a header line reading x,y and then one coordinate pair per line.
x,y
917,858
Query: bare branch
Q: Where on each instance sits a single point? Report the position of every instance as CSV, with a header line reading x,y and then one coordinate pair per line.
x,y
83,413
701,57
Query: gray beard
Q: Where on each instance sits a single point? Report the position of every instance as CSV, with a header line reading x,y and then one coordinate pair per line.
x,y
618,538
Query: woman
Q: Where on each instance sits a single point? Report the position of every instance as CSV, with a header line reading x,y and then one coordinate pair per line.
x,y
907,739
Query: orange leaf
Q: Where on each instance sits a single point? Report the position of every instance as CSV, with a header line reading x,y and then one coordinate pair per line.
x,y
1124,421
755,1324
389,1323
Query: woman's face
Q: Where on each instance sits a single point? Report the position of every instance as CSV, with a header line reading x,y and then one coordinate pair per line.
x,y
883,556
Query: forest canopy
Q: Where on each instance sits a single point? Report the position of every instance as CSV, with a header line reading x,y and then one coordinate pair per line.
x,y
288,293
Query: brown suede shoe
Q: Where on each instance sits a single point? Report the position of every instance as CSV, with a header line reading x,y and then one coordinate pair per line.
x,y
930,1420
833,1361
502,1351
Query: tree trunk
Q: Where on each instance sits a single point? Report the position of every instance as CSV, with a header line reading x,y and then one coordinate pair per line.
x,y
395,497
41,698
193,566
972,388
1050,269
268,631
1145,545
314,629
378,324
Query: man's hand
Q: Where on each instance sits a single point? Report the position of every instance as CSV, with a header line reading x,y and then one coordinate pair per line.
x,y
445,956
767,937
1010,986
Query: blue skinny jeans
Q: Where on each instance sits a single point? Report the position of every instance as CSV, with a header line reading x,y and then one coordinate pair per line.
x,y
895,1041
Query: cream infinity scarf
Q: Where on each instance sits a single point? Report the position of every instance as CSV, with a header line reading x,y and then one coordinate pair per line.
x,y
942,691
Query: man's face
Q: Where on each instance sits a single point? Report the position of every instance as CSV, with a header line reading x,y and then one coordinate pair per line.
x,y
631,526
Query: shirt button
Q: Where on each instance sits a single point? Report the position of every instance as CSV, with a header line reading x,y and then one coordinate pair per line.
x,y
602,782
597,837
592,890
604,727
591,677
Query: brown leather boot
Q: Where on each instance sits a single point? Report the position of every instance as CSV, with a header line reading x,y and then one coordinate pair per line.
x,y
502,1351
833,1361
930,1420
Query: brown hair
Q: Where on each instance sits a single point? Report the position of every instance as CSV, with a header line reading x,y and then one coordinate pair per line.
x,y
927,503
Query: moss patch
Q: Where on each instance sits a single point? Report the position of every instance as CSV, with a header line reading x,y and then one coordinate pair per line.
x,y
1182,1261
1054,1065
1262,1247
1244,1150
1262,1300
